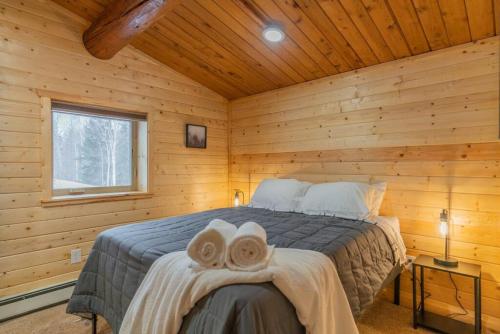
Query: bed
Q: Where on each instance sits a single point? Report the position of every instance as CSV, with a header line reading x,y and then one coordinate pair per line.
x,y
121,257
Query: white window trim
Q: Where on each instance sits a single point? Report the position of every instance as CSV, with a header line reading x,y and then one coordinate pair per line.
x,y
52,197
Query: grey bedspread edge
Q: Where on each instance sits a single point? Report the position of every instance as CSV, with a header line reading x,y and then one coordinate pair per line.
x,y
121,256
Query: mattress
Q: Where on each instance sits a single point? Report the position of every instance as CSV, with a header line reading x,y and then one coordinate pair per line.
x,y
121,257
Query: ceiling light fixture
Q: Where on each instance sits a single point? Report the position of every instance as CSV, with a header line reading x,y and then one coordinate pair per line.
x,y
273,33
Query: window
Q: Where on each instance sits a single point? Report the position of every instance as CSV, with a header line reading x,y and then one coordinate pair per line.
x,y
97,151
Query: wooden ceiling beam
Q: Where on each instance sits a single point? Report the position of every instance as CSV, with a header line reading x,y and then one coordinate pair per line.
x,y
121,21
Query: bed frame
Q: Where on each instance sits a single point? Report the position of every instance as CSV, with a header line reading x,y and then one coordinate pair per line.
x,y
397,286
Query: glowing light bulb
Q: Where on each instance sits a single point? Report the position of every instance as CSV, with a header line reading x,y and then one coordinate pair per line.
x,y
443,223
236,199
443,228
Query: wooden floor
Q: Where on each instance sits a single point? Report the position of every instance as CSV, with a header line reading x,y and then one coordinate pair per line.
x,y
381,318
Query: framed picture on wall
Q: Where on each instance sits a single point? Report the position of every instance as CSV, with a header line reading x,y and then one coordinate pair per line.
x,y
196,136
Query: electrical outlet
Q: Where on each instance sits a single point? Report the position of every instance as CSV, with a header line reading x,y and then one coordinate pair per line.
x,y
76,256
409,261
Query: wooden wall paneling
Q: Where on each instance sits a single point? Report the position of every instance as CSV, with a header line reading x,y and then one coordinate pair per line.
x,y
462,152
427,125
20,185
38,284
416,82
34,21
466,52
27,260
36,213
26,110
29,229
35,273
42,55
372,116
12,43
46,147
410,25
319,111
19,62
94,69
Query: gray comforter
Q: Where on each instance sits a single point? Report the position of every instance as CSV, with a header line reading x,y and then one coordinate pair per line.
x,y
121,257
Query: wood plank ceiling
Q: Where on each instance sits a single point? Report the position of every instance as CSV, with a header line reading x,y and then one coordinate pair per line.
x,y
219,43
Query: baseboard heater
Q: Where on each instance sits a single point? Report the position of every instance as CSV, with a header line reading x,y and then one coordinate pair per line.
x,y
17,306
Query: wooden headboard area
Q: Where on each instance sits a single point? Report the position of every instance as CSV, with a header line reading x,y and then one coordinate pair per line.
x,y
428,125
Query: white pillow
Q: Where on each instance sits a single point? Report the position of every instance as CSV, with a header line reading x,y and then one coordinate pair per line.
x,y
377,197
341,199
279,194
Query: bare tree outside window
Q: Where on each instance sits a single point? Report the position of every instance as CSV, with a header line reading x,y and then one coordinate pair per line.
x,y
91,151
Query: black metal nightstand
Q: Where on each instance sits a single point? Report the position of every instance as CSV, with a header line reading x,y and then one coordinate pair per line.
x,y
438,322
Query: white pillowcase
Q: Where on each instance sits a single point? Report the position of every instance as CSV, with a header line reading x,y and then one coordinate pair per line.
x,y
378,192
279,194
341,199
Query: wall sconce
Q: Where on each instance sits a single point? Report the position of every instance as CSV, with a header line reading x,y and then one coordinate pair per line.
x,y
237,193
444,230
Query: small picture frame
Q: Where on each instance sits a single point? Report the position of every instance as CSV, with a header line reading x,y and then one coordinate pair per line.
x,y
196,136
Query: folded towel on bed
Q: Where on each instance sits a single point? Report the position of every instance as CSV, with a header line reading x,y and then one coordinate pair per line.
x,y
208,248
307,278
248,249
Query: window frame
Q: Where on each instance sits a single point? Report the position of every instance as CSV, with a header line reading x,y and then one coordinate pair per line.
x,y
141,160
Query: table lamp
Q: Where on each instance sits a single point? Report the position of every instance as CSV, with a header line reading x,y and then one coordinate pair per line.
x,y
237,193
444,230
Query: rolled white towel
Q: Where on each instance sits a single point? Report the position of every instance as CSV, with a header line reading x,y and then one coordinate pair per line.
x,y
208,248
248,250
